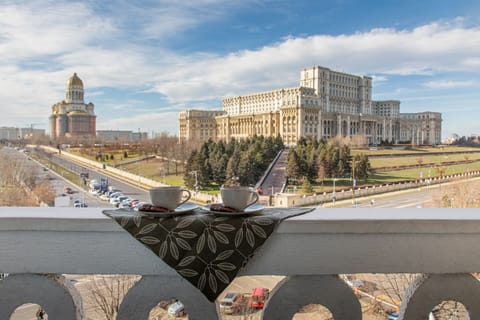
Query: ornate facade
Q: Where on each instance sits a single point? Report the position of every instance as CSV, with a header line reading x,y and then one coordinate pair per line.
x,y
199,125
326,104
72,117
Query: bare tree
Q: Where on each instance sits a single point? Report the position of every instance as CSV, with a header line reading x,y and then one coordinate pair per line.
x,y
458,195
17,179
393,286
105,293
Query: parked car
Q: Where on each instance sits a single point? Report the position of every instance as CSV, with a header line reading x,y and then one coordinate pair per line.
x,y
115,197
231,303
393,316
138,205
115,202
258,298
121,199
133,203
80,205
94,192
104,197
176,309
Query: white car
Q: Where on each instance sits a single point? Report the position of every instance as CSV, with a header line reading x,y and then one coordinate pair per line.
x,y
115,197
138,205
115,202
176,309
114,194
104,197
94,192
122,198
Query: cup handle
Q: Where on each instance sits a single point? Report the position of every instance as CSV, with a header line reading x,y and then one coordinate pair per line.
x,y
188,197
255,200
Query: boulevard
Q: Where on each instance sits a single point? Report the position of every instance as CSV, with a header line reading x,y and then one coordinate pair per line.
x,y
427,196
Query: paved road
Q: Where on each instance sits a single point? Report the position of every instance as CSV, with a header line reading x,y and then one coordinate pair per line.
x,y
424,197
97,174
56,180
273,183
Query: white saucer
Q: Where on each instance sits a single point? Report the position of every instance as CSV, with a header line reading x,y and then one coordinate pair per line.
x,y
253,209
184,208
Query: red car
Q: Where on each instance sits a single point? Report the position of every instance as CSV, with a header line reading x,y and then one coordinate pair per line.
x,y
259,296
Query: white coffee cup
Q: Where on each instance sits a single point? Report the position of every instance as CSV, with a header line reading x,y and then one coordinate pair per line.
x,y
168,197
238,198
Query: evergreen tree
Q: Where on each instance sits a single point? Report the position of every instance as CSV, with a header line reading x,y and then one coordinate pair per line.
x,y
362,167
232,168
218,163
247,168
307,186
293,170
188,178
205,153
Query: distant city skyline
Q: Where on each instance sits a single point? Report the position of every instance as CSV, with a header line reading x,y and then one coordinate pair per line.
x,y
143,63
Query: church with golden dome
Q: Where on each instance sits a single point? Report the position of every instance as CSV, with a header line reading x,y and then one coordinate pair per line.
x,y
72,117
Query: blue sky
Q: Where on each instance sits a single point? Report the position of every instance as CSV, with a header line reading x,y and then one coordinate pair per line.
x,y
142,62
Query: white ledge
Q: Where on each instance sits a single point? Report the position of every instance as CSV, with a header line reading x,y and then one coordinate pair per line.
x,y
325,241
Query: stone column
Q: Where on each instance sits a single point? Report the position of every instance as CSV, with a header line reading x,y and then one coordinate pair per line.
x,y
319,126
270,125
300,122
390,133
339,124
349,134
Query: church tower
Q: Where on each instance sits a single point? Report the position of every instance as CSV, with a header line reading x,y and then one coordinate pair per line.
x,y
72,117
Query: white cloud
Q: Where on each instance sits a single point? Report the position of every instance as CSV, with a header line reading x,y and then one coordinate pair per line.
x,y
425,50
45,28
448,84
43,42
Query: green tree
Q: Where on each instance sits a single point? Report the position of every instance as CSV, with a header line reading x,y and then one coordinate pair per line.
x,y
232,168
362,167
247,168
307,186
195,167
293,170
218,163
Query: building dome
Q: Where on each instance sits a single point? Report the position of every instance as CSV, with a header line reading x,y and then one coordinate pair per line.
x,y
74,81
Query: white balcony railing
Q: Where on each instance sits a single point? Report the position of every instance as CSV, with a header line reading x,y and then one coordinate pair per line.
x,y
442,244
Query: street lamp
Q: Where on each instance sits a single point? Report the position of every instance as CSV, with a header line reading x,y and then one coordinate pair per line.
x,y
354,181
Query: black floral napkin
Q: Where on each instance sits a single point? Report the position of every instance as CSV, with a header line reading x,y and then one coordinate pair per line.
x,y
205,249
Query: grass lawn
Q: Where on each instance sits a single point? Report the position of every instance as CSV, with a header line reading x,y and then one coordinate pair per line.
x,y
445,149
411,174
91,153
157,170
394,176
67,174
421,159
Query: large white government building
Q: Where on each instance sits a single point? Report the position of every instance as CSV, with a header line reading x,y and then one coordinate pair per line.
x,y
325,105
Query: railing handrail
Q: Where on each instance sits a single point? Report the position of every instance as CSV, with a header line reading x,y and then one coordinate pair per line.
x,y
324,241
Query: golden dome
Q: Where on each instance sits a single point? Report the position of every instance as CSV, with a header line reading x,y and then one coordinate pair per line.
x,y
74,81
